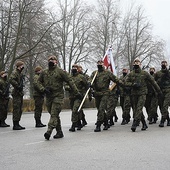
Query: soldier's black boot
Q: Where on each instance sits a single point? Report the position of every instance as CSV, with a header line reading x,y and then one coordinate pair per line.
x,y
144,125
134,125
84,122
16,125
22,128
162,122
151,120
155,119
116,118
111,122
106,125
79,125
47,135
72,129
124,122
58,135
98,125
38,123
3,124
168,121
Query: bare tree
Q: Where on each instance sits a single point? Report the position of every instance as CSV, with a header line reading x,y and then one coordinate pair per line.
x,y
138,40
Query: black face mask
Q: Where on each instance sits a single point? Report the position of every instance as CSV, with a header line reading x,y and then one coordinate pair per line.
x,y
50,64
163,66
74,71
151,72
124,74
135,66
5,77
100,67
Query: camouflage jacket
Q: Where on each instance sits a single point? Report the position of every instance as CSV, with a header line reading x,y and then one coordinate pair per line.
x,y
36,87
102,82
4,88
162,77
124,90
16,79
54,79
138,80
80,82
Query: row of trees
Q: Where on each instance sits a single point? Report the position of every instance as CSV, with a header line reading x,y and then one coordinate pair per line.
x,y
76,32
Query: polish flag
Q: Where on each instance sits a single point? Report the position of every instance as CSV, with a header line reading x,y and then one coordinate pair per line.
x,y
109,62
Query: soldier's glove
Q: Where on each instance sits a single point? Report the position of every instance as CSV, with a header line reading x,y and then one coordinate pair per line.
x,y
136,85
160,95
79,96
90,98
47,91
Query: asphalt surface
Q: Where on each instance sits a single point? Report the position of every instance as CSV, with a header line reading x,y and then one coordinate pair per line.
x,y
117,148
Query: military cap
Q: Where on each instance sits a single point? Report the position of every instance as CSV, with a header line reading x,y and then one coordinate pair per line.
x,y
163,62
38,68
100,61
52,58
19,63
2,72
137,60
75,65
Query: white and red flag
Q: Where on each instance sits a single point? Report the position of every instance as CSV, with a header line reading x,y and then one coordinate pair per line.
x,y
109,61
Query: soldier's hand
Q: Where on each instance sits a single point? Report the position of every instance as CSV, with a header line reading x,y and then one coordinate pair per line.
x,y
136,85
47,91
90,98
79,96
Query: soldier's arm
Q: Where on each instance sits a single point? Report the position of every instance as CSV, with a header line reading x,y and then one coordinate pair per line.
x,y
153,82
13,80
67,78
37,85
40,81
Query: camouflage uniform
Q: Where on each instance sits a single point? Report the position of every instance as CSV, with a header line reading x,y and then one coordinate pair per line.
x,y
101,94
151,103
111,105
51,81
38,98
16,80
82,85
4,99
137,80
162,77
125,102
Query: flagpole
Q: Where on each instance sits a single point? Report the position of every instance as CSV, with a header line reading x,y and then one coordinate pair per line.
x,y
87,92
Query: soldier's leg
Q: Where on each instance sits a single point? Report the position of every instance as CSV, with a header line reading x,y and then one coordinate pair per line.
x,y
54,108
59,133
17,112
99,121
109,110
38,102
164,109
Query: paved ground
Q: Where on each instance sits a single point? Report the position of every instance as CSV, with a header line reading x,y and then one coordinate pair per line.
x,y
118,148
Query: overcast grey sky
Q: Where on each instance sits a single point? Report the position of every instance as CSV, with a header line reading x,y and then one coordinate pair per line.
x,y
158,12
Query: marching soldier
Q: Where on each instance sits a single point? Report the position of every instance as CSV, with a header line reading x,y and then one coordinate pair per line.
x,y
162,77
17,81
4,98
82,85
51,82
101,93
151,103
137,80
125,102
38,98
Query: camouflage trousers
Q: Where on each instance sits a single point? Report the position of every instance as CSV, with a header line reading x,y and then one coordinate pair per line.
x,y
74,104
54,105
151,105
138,102
111,106
38,103
17,107
125,103
164,103
4,108
101,104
